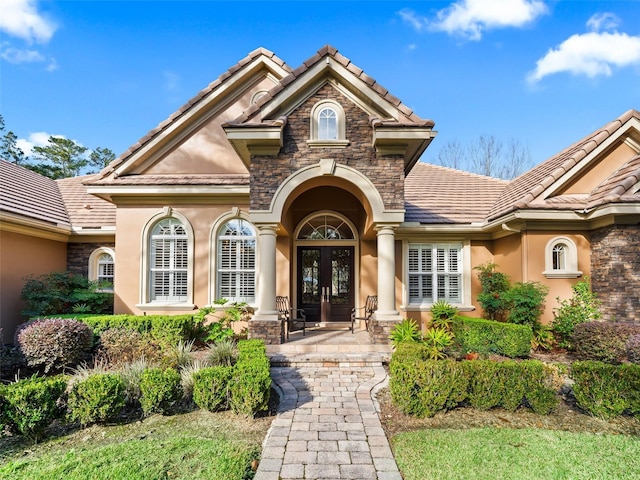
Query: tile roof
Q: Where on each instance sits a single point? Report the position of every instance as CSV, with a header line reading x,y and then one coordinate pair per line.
x,y
407,115
176,179
441,195
29,194
531,184
619,187
85,210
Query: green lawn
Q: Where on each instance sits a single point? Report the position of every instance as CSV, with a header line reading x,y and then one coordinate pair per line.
x,y
197,445
510,454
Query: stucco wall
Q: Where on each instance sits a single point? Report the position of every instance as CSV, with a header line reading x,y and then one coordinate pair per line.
x,y
24,255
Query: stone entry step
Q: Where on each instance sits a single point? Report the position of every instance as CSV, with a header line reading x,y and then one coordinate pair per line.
x,y
329,359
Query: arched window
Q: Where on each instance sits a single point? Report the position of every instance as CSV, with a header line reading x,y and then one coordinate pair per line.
x,y
325,227
236,261
561,259
327,125
168,262
102,267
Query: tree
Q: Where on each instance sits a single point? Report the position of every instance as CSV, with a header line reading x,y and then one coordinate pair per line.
x,y
60,158
100,158
9,149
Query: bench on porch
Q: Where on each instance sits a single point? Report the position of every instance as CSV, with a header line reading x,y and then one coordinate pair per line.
x,y
295,319
370,306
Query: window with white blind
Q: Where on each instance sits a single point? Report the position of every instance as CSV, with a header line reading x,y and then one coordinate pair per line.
x,y
169,262
435,273
105,268
236,262
102,268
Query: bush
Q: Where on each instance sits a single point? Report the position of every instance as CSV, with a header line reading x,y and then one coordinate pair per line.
x,y
251,384
97,399
160,390
442,313
487,337
437,340
606,390
55,343
222,353
525,303
57,293
120,345
211,388
29,406
604,341
131,373
494,286
632,348
582,307
405,331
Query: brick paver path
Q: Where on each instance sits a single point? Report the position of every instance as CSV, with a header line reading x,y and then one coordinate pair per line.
x,y
327,426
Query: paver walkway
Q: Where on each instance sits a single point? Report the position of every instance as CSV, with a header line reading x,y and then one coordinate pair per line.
x,y
327,426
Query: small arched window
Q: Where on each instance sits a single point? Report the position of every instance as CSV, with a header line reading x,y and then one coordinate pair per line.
x,y
102,268
327,125
236,261
561,259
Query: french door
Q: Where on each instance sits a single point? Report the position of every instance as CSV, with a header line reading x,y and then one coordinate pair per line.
x,y
325,282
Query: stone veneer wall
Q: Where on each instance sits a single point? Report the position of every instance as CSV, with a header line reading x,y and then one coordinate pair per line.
x,y
615,271
78,256
387,173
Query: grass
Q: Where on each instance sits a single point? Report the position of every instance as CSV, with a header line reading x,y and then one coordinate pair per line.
x,y
526,454
198,445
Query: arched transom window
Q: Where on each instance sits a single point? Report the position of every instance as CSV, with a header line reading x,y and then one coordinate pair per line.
x,y
326,227
169,261
236,261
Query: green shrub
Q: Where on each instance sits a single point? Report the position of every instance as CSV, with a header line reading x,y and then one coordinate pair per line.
x,y
251,348
583,306
487,337
29,406
131,373
494,286
223,352
120,345
211,388
160,390
179,355
442,313
606,390
525,302
251,384
58,292
604,341
54,343
97,399
437,340
405,331
411,352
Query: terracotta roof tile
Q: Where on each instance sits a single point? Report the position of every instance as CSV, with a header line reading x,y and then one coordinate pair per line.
x,y
441,195
29,194
619,186
84,210
177,179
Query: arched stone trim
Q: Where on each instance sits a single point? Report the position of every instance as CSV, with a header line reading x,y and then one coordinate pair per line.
x,y
568,268
145,294
327,167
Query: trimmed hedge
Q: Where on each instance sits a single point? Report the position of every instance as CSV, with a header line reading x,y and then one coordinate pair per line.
x,y
604,341
160,390
424,387
487,337
250,387
606,390
211,388
97,399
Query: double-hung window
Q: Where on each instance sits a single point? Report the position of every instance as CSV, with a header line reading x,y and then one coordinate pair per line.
x,y
435,273
236,262
169,261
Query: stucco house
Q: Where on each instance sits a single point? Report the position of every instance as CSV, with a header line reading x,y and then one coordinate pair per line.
x,y
307,182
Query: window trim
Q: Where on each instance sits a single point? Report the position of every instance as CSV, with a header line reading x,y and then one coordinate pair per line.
x,y
93,267
571,260
341,140
146,302
466,304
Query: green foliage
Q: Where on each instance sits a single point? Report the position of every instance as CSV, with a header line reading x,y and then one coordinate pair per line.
x,y
442,313
487,337
160,390
54,343
60,158
180,355
211,387
437,339
405,331
583,306
131,373
220,328
97,399
605,390
56,293
604,341
222,353
29,406
494,286
525,303
251,385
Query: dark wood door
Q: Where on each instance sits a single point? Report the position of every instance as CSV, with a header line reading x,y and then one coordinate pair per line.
x,y
325,283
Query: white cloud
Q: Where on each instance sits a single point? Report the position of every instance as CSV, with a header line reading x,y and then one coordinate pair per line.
x,y
21,19
591,54
19,55
470,18
36,139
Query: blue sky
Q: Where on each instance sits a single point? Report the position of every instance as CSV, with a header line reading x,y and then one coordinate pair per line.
x,y
543,73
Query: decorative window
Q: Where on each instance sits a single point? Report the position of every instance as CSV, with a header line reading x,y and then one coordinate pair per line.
x,y
327,125
236,261
435,273
325,227
561,259
102,267
169,262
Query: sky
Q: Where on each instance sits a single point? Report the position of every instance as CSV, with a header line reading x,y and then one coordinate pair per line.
x,y
541,73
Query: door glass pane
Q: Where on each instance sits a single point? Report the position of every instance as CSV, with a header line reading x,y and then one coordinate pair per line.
x,y
310,276
340,276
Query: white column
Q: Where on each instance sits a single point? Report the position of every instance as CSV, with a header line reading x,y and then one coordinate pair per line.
x,y
266,291
386,273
